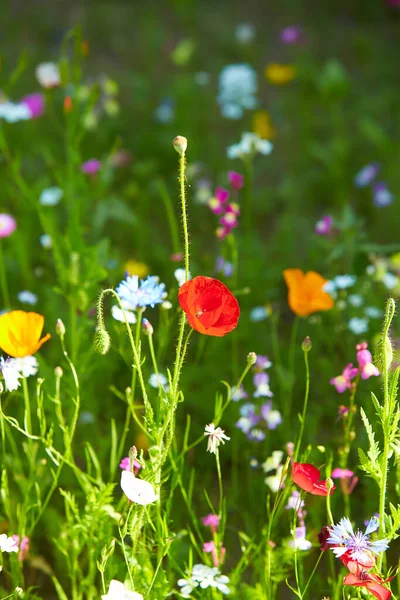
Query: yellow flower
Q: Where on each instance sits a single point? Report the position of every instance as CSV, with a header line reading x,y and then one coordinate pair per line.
x,y
133,267
280,74
262,125
20,333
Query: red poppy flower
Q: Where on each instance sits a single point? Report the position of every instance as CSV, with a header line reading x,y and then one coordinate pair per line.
x,y
373,583
307,476
209,306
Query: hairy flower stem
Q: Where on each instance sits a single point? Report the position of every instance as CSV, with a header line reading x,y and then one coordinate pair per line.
x,y
385,417
303,416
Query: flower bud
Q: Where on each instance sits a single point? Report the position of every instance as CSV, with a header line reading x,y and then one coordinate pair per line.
x,y
251,358
180,144
329,484
60,328
67,104
306,345
58,372
102,341
147,327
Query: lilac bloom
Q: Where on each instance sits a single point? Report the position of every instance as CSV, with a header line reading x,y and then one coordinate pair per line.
x,y
324,225
382,196
262,362
300,542
238,393
261,382
293,34
271,417
366,175
364,358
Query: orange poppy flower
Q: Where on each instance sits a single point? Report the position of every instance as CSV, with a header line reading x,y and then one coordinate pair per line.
x,y
306,294
20,333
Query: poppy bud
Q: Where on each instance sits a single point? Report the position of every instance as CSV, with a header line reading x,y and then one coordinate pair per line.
x,y
306,345
251,358
60,328
180,144
58,372
147,327
102,341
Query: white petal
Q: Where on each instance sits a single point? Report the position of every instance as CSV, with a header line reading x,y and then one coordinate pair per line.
x,y
137,490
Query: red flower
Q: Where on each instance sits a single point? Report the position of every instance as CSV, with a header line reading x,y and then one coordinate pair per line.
x,y
307,476
361,578
209,306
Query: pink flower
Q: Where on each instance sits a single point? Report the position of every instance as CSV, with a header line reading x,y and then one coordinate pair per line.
x,y
348,480
233,207
293,34
177,257
221,194
222,232
7,225
215,206
125,465
364,358
91,167
324,226
236,180
210,547
211,521
23,547
35,104
343,382
229,220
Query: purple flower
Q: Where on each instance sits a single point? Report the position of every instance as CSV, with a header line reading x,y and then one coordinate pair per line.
x,y
91,167
261,382
366,175
262,362
35,104
223,266
300,542
271,417
324,225
236,180
238,393
125,465
221,194
343,539
364,358
382,196
293,34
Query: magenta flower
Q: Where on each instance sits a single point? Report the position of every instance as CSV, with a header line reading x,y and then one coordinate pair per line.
x,y
7,225
343,382
222,194
229,220
236,180
211,521
91,167
324,225
364,358
210,547
222,232
233,207
125,465
215,206
35,104
339,473
293,34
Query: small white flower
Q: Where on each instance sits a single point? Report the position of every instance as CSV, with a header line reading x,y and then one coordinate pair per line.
x,y
48,75
249,145
28,365
342,282
51,196
27,297
118,314
216,437
117,591
300,542
373,312
11,373
357,325
355,300
157,380
166,305
273,461
274,481
46,241
13,112
205,577
8,544
180,276
389,280
137,490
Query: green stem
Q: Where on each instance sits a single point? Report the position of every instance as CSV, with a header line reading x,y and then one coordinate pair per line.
x,y
221,489
28,418
172,221
248,166
312,575
3,279
303,416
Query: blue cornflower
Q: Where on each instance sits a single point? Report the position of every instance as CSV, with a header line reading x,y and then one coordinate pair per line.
x,y
146,293
343,539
